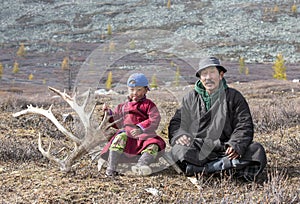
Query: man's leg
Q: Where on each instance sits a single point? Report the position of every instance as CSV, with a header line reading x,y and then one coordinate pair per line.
x,y
188,159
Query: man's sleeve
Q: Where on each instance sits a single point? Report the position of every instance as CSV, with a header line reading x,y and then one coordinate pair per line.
x,y
179,123
242,123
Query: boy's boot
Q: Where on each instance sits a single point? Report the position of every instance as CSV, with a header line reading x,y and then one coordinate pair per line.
x,y
142,167
113,160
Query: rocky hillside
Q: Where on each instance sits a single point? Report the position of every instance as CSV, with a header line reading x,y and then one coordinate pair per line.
x,y
51,29
226,27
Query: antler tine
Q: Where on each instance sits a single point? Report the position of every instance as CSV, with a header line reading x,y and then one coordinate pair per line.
x,y
87,98
64,166
49,156
111,124
85,104
64,95
106,120
92,111
80,110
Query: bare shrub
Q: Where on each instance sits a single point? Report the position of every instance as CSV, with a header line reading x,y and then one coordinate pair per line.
x,y
275,115
18,151
294,143
278,190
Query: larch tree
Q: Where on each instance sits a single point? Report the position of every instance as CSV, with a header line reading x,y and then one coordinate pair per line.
x,y
279,68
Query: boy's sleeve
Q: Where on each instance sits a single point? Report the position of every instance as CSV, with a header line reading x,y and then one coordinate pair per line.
x,y
116,114
152,123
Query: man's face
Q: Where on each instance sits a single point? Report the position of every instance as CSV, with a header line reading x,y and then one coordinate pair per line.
x,y
210,78
137,93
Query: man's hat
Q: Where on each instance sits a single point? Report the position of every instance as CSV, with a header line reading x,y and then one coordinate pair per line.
x,y
210,62
137,79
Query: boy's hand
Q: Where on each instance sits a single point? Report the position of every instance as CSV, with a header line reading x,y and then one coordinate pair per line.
x,y
136,132
105,107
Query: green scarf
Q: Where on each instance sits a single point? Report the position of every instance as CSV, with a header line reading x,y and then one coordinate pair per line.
x,y
209,100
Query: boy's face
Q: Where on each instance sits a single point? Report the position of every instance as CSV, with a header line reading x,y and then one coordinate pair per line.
x,y
137,93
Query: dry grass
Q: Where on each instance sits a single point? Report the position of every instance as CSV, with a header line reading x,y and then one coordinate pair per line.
x,y
27,177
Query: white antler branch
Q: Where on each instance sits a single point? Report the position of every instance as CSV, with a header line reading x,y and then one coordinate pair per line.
x,y
48,114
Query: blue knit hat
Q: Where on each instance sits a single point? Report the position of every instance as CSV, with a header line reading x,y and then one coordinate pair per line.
x,y
137,79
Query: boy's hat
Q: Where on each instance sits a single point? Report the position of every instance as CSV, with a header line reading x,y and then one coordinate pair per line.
x,y
137,79
210,62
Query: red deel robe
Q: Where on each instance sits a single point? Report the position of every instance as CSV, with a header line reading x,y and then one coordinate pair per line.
x,y
143,114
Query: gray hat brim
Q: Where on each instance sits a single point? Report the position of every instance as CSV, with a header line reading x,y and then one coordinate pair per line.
x,y
219,67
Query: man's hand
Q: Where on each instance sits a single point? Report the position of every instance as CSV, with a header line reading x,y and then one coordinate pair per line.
x,y
183,140
231,153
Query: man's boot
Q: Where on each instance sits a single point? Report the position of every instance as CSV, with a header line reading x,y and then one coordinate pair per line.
x,y
142,167
192,170
113,160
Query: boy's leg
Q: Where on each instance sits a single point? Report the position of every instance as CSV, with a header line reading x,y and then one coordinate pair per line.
x,y
115,151
149,154
113,160
148,157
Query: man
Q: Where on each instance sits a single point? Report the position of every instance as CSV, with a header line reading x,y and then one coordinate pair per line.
x,y
213,130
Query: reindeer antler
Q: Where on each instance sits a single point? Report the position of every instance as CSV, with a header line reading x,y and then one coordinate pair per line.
x,y
93,136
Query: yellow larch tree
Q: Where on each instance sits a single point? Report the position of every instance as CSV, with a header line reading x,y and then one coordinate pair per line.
x,y
1,70
177,77
242,65
65,63
30,76
169,4
247,71
153,81
279,68
109,29
16,68
132,44
21,51
111,46
276,9
108,82
294,10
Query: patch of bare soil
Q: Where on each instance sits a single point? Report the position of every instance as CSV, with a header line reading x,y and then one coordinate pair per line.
x,y
27,177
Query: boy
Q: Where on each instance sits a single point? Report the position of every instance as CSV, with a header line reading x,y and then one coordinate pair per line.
x,y
136,139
